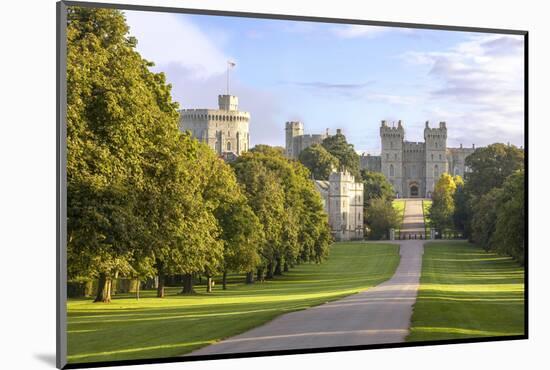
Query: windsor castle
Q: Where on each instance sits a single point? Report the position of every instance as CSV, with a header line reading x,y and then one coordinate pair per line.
x,y
412,168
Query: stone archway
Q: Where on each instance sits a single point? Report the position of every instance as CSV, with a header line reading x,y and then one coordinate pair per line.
x,y
414,190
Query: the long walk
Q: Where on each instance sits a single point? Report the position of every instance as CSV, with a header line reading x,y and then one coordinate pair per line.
x,y
379,315
413,220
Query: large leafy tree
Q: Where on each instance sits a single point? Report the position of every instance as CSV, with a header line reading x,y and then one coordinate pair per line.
x,y
376,186
135,206
240,230
112,108
443,206
381,216
490,166
348,158
509,234
319,161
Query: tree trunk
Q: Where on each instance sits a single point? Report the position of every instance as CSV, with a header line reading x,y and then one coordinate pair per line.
x,y
209,284
133,285
137,289
103,289
250,277
114,283
160,285
260,274
88,288
286,267
278,267
187,284
224,280
269,272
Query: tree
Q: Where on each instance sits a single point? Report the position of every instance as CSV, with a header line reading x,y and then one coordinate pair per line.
x,y
509,234
380,218
114,106
348,159
484,218
376,186
490,166
240,230
319,161
462,212
443,207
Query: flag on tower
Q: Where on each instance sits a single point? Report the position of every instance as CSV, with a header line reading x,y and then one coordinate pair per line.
x,y
231,64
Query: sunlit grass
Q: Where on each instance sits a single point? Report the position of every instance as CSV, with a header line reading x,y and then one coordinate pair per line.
x,y
466,292
150,327
399,206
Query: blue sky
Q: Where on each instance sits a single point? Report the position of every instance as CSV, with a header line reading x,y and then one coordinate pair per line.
x,y
341,76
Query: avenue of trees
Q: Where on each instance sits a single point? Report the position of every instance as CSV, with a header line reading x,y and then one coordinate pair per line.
x,y
146,200
488,206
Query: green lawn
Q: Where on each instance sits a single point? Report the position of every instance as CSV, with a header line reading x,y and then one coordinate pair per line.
x,y
466,292
152,327
399,205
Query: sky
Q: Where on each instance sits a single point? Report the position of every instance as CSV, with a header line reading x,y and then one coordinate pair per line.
x,y
342,76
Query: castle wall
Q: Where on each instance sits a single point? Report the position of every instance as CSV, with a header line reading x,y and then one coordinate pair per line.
x,y
392,155
371,163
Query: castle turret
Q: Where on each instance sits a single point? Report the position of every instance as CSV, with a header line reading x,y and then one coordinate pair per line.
x,y
436,154
293,129
392,154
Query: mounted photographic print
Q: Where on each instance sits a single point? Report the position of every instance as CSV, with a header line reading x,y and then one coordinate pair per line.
x,y
235,184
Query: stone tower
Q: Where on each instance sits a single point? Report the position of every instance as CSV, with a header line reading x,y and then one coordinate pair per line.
x,y
436,154
392,155
225,130
293,129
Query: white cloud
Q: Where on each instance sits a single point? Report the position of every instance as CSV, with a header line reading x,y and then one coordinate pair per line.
x,y
166,38
480,84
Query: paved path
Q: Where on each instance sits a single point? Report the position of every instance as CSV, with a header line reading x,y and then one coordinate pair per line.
x,y
413,220
379,315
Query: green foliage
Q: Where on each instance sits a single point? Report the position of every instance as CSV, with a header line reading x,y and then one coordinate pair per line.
x,y
509,235
376,186
117,111
498,221
289,207
490,166
319,161
381,217
442,209
348,159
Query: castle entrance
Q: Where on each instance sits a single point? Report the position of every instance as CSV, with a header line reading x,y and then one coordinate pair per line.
x,y
414,190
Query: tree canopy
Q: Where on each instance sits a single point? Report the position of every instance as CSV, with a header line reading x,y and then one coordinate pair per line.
x,y
319,161
348,158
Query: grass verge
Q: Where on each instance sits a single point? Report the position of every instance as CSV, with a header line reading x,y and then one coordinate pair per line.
x,y
466,292
154,328
399,206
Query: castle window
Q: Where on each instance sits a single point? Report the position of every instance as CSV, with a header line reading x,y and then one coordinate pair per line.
x,y
391,170
387,156
391,144
432,157
440,157
228,146
436,172
395,156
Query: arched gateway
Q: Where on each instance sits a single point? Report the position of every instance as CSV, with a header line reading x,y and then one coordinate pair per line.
x,y
413,190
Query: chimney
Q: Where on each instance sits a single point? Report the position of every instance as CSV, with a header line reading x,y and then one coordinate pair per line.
x,y
427,124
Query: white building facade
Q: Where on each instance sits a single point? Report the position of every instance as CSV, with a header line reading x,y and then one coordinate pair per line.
x,y
343,202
